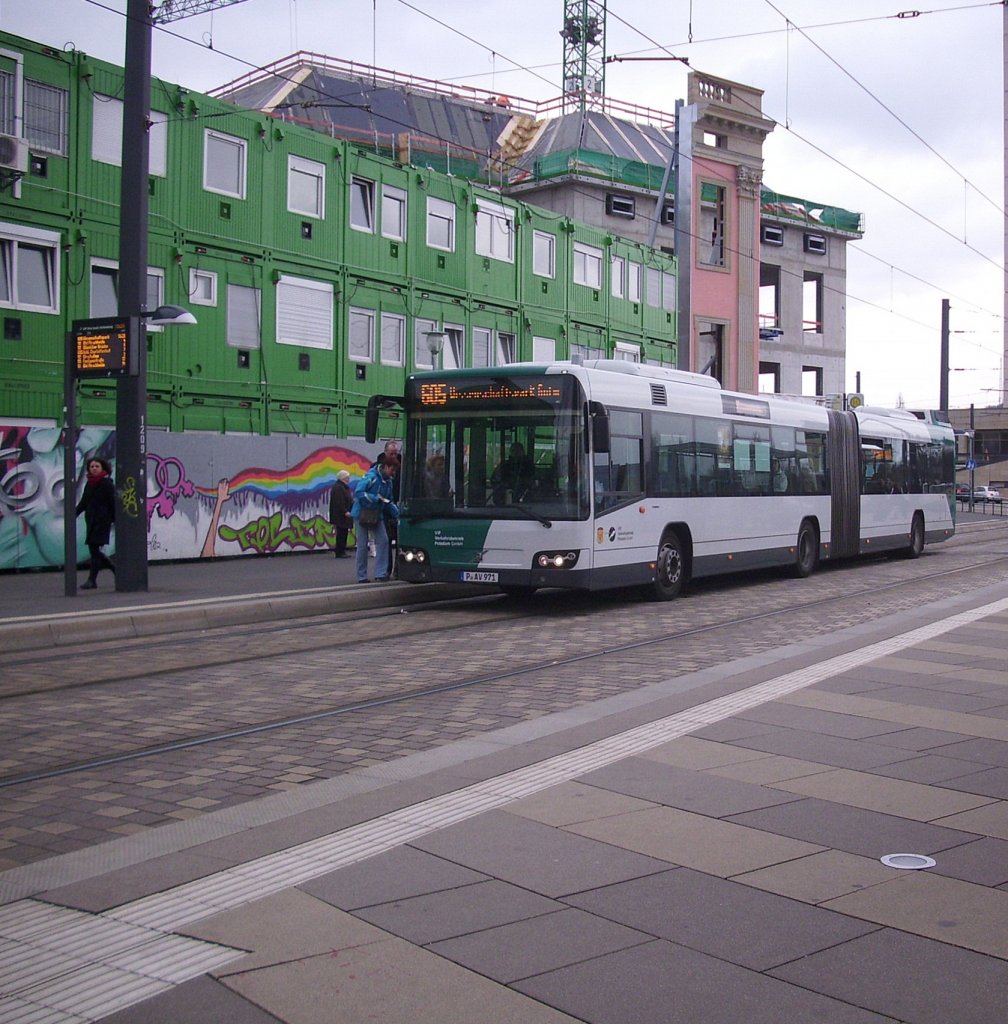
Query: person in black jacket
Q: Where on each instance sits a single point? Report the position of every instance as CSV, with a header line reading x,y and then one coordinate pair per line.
x,y
340,502
98,505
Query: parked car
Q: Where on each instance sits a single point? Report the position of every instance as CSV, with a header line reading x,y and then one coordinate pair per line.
x,y
986,494
962,492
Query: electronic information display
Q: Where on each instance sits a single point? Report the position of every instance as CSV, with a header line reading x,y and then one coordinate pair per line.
x,y
103,348
498,391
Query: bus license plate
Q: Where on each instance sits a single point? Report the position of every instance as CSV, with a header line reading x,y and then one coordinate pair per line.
x,y
479,577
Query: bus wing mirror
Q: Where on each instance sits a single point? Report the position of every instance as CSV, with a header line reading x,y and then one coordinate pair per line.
x,y
599,426
376,403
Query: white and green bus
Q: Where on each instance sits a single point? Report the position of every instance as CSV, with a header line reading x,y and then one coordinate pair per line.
x,y
610,474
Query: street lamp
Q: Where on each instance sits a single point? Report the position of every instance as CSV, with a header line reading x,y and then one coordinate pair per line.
x,y
435,343
112,347
166,316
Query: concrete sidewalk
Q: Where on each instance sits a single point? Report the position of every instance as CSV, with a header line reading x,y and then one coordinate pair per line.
x,y
35,611
707,849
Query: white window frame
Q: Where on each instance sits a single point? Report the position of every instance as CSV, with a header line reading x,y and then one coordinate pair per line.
x,y
103,265
547,239
106,135
441,210
653,283
395,199
505,345
634,272
38,133
238,296
307,169
495,231
11,113
359,317
587,265
240,147
482,346
362,214
543,349
155,275
453,353
12,238
393,336
293,321
617,276
626,352
668,291
196,275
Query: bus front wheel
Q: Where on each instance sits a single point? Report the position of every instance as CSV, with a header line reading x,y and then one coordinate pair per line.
x,y
806,551
670,570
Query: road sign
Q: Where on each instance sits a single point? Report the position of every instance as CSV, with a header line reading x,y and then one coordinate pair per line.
x,y
971,464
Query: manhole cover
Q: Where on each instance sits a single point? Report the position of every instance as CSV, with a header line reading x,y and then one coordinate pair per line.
x,y
908,861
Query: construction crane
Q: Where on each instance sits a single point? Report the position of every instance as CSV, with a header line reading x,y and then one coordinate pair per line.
x,y
176,10
584,57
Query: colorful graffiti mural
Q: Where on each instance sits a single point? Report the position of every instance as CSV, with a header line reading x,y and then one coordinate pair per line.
x,y
208,495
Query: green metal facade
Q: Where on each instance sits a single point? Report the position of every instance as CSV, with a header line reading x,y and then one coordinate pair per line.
x,y
313,266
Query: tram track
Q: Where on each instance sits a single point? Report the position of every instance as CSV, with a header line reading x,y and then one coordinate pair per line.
x,y
290,636
525,669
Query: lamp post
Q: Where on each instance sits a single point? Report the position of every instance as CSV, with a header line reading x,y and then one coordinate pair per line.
x,y
131,393
105,347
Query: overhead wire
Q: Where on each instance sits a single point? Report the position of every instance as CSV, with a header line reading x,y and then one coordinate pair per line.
x,y
693,41
892,113
668,49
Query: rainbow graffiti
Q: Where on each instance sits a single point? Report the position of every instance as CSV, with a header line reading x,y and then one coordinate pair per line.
x,y
311,477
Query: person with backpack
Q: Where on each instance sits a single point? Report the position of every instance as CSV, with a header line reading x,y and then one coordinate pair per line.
x,y
372,504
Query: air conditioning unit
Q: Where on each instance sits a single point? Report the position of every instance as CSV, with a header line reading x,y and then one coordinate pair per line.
x,y
13,154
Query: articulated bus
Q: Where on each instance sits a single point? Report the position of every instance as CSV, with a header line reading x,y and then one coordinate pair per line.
x,y
608,474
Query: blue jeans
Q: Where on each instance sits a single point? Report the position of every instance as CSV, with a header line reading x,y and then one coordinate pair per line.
x,y
380,537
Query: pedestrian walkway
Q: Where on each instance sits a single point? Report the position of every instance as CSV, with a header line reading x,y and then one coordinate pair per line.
x,y
709,848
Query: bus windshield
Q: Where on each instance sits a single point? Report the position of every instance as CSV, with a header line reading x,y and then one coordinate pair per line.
x,y
496,445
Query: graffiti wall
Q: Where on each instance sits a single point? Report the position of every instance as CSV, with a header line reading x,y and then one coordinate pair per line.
x,y
207,495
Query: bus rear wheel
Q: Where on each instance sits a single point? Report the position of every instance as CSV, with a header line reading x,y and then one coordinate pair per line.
x,y
916,545
806,550
670,570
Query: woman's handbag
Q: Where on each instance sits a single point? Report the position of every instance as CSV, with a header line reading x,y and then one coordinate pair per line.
x,y
369,516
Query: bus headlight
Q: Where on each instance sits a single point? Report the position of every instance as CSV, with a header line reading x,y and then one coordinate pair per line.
x,y
556,559
413,555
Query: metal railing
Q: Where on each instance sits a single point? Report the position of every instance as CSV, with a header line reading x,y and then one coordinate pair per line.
x,y
984,507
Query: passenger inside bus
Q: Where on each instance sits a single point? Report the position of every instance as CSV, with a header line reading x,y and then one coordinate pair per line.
x,y
435,479
511,480
780,478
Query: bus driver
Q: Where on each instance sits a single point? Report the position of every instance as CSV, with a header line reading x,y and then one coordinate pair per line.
x,y
512,478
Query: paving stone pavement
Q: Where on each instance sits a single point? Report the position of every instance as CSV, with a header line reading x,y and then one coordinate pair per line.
x,y
671,852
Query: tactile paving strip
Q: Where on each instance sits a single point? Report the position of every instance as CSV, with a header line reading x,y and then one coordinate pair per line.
x,y
62,965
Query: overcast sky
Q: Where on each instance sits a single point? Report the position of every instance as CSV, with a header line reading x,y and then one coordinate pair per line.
x,y
899,118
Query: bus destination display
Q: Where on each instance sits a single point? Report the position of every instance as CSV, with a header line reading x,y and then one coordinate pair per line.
x,y
477,392
102,348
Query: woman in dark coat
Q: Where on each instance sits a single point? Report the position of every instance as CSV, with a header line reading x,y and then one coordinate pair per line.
x,y
98,505
340,500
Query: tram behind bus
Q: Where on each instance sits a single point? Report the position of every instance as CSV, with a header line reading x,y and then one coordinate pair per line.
x,y
607,474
